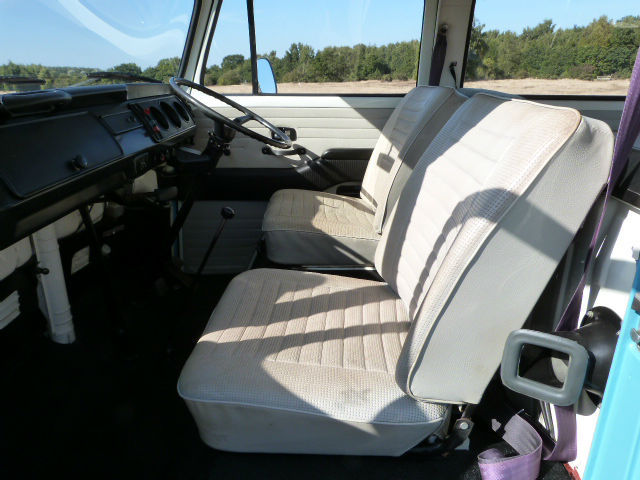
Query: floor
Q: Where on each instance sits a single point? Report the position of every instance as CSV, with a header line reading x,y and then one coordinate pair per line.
x,y
103,409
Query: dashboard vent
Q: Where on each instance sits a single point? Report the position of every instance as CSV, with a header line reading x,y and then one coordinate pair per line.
x,y
159,117
171,113
181,111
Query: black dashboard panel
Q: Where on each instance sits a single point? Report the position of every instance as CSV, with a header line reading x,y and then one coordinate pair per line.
x,y
40,154
53,160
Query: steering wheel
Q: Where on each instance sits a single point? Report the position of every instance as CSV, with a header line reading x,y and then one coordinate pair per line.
x,y
280,140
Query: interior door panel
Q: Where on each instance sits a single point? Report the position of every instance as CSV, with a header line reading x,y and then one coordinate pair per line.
x,y
321,123
330,170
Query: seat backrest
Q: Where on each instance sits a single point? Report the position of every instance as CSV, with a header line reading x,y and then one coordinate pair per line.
x,y
421,114
478,230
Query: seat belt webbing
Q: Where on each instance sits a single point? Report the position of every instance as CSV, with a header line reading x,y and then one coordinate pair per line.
x,y
438,57
519,433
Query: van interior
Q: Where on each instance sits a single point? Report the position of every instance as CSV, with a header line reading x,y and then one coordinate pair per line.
x,y
203,283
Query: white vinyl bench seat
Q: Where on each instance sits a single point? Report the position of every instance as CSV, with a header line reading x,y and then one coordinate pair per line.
x,y
296,362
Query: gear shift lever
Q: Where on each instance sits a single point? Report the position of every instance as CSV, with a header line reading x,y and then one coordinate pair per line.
x,y
227,213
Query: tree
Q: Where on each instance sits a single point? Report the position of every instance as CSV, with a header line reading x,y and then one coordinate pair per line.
x,y
372,66
297,64
165,69
478,48
231,61
130,68
212,75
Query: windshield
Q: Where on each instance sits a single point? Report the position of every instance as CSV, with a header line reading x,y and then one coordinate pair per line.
x,y
61,41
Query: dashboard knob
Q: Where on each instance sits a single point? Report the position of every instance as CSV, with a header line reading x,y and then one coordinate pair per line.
x,y
79,162
227,213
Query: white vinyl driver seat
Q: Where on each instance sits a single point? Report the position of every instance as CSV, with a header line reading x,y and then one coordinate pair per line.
x,y
300,362
305,227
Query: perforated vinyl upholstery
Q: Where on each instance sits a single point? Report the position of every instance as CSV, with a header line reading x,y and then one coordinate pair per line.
x,y
299,362
486,216
317,228
303,226
308,343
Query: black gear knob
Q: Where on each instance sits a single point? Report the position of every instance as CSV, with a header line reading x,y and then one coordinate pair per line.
x,y
227,213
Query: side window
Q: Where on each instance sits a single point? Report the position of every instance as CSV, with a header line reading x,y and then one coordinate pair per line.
x,y
321,46
229,60
565,49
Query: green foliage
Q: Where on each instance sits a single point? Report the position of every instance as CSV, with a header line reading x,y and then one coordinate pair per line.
x,y
56,77
232,61
233,70
603,47
477,49
130,68
53,76
301,63
164,70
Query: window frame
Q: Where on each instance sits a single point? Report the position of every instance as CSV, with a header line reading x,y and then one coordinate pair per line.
x,y
254,59
188,44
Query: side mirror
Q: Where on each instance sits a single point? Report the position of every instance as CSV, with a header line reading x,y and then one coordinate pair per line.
x,y
266,78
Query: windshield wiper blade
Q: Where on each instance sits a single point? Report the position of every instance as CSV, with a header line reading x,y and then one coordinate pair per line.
x,y
15,79
122,76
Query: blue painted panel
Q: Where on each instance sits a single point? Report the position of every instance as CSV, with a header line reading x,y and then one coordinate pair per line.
x,y
615,451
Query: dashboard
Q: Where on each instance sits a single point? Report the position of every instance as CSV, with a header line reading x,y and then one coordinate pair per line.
x,y
62,148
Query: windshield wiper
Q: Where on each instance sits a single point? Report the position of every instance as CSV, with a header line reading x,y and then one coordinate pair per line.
x,y
121,76
15,79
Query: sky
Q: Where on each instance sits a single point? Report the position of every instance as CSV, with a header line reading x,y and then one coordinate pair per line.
x,y
96,33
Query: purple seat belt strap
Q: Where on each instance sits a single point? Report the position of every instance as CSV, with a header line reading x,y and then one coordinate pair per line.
x,y
518,432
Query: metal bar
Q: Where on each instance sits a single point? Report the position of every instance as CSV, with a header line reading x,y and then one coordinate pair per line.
x,y
252,47
110,297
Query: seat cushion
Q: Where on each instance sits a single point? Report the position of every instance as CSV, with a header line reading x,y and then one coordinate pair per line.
x,y
301,362
304,227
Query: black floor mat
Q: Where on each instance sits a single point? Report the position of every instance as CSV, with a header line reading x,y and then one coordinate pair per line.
x,y
91,411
